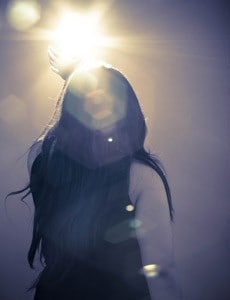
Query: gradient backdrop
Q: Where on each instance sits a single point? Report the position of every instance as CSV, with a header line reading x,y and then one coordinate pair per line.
x,y
176,54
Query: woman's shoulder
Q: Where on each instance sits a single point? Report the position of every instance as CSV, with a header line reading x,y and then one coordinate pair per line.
x,y
147,192
143,174
143,178
141,169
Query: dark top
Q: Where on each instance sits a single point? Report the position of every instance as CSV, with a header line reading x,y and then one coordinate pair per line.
x,y
111,270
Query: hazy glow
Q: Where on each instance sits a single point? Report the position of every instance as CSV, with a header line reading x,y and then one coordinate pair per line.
x,y
99,104
130,207
78,36
135,223
110,139
151,270
12,110
102,107
23,14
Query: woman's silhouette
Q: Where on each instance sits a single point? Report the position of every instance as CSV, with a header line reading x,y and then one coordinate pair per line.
x,y
103,210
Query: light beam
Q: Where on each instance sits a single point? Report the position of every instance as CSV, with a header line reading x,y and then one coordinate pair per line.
x,y
78,36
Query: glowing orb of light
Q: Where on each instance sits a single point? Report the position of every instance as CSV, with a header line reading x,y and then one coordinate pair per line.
x,y
135,223
151,270
129,207
78,36
23,14
99,104
103,101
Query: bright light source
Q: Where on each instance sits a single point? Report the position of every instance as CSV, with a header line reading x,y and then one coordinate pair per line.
x,y
151,270
78,36
23,14
129,207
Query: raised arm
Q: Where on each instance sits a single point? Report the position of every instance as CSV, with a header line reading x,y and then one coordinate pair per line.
x,y
154,233
59,65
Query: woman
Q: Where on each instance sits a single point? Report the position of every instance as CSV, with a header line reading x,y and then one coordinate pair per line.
x,y
103,209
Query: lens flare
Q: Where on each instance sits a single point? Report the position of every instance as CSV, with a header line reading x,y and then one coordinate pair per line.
x,y
135,223
23,14
78,36
129,207
151,271
99,104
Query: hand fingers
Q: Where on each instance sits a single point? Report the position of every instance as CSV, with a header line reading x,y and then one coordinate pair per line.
x,y
52,57
53,61
55,65
53,52
61,65
55,70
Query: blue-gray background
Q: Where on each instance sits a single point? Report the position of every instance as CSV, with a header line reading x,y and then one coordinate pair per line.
x,y
176,55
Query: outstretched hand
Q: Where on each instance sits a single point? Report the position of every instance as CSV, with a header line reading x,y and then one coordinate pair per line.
x,y
60,66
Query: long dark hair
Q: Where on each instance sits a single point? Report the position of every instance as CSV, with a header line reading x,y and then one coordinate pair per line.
x,y
70,197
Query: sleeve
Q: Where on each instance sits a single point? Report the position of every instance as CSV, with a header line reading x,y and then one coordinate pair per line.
x,y
33,153
154,233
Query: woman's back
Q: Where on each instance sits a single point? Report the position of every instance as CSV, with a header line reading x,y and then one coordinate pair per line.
x,y
96,224
90,245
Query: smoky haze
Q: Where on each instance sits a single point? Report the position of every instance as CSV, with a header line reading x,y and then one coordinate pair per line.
x,y
176,55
